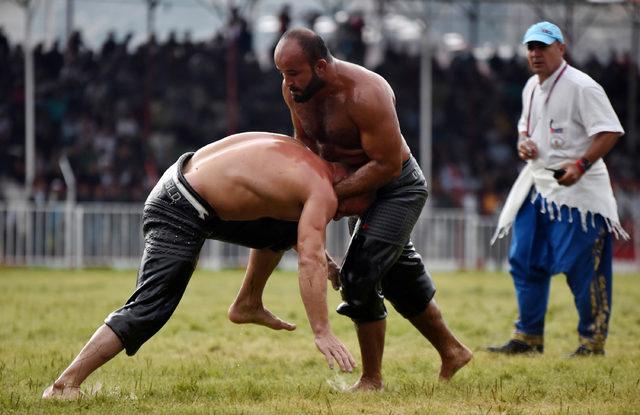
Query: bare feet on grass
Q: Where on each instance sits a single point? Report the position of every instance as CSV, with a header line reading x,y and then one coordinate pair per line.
x,y
63,392
242,314
455,361
367,385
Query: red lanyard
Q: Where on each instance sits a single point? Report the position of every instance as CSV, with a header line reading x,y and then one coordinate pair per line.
x,y
548,96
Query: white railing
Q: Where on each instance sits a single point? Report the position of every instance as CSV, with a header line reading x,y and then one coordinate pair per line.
x,y
109,235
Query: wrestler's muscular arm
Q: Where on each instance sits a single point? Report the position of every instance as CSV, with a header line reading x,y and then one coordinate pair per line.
x,y
317,212
373,111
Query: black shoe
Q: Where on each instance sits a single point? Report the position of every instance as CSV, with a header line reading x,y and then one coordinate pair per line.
x,y
516,347
583,350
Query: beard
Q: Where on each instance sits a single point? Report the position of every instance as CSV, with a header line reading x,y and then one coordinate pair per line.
x,y
314,85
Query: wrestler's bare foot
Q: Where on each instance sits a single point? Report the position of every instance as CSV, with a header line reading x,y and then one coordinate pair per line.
x,y
367,385
62,392
241,313
456,360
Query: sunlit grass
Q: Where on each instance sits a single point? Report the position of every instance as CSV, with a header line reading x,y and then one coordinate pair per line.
x,y
202,363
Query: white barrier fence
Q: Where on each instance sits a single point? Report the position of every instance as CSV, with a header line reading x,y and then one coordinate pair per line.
x,y
109,235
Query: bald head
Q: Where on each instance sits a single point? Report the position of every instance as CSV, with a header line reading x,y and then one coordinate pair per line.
x,y
307,41
304,62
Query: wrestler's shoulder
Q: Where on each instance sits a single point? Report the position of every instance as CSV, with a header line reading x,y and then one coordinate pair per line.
x,y
369,88
365,78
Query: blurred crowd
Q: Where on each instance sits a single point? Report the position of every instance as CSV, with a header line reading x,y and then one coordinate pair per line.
x,y
122,114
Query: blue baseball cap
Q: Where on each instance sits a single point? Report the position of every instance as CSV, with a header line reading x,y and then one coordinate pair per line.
x,y
544,32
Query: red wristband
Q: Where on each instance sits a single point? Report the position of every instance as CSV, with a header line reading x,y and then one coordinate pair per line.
x,y
583,165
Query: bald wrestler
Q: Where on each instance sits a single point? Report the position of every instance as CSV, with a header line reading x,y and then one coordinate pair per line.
x,y
260,190
346,113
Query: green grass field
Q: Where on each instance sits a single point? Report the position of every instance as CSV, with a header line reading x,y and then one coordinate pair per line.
x,y
202,363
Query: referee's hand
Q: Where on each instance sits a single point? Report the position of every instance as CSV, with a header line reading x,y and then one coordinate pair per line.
x,y
571,176
527,150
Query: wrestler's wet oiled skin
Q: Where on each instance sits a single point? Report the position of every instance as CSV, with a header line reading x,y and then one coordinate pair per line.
x,y
247,177
346,113
262,194
338,122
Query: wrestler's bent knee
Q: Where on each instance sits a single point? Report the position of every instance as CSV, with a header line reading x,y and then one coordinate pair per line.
x,y
408,286
366,263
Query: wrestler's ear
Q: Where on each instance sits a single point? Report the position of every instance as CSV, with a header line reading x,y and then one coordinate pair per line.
x,y
321,67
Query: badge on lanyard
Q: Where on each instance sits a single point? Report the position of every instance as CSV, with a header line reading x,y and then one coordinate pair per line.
x,y
555,136
546,101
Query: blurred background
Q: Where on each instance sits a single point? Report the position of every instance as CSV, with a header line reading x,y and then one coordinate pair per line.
x,y
98,97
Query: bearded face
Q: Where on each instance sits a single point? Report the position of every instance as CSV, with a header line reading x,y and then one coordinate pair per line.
x,y
314,85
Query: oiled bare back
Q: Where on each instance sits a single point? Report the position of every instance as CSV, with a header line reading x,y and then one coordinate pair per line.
x,y
252,175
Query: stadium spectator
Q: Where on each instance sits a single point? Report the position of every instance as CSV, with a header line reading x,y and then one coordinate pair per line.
x,y
223,192
179,108
284,19
349,39
238,34
563,219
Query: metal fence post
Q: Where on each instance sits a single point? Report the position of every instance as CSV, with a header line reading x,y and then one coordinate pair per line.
x,y
68,234
471,241
79,236
3,219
